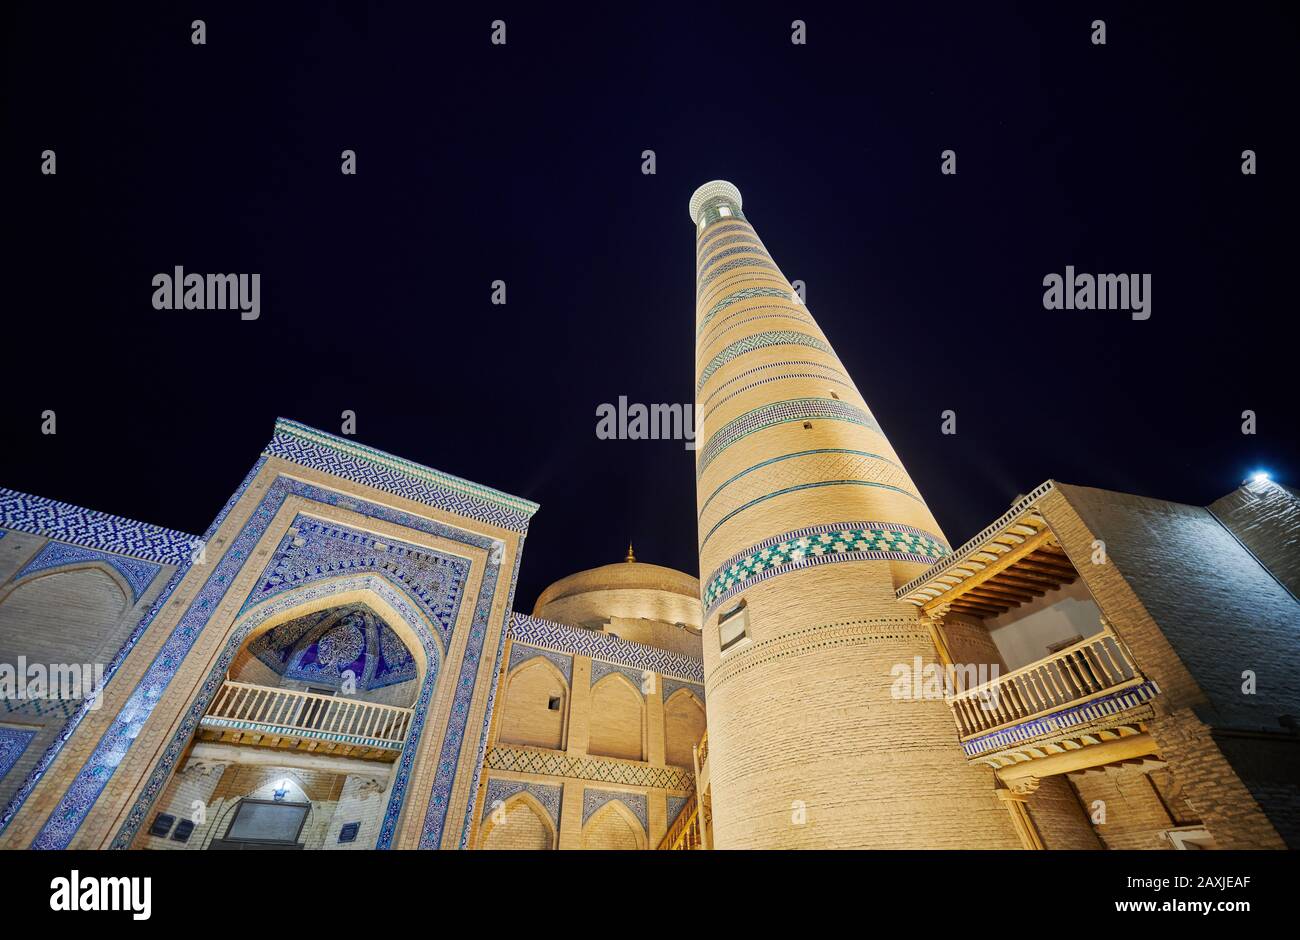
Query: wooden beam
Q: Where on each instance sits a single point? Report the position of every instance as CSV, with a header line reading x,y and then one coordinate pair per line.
x,y
1092,755
1062,573
993,589
993,568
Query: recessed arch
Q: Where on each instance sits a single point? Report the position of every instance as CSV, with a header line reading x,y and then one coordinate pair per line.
x,y
128,594
617,726
613,826
684,724
387,599
527,825
526,715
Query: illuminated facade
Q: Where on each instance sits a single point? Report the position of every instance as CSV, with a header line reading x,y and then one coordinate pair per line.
x,y
337,662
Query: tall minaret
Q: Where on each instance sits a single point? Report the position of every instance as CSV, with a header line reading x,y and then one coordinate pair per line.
x,y
808,522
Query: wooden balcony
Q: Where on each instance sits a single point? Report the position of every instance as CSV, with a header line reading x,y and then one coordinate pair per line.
x,y
686,832
242,713
1090,692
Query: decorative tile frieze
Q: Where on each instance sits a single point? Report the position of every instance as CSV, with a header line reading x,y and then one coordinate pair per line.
x,y
747,249
593,800
756,341
803,548
780,412
675,804
340,457
603,646
137,574
528,760
90,529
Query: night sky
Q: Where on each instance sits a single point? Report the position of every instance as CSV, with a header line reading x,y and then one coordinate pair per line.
x,y
523,163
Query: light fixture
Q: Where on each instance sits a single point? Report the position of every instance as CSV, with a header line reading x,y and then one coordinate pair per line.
x,y
1259,476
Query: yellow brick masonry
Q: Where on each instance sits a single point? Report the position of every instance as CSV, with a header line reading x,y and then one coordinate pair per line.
x,y
807,746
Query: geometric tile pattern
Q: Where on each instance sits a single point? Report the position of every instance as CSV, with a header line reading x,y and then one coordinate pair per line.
x,y
499,791
90,529
757,341
13,741
138,574
343,458
322,648
744,238
780,412
1063,719
522,653
790,551
603,646
593,800
525,760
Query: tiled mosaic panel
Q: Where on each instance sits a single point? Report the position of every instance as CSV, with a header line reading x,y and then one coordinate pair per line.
x,y
600,670
592,800
670,686
850,541
675,804
780,412
500,791
522,653
89,529
603,646
138,574
13,741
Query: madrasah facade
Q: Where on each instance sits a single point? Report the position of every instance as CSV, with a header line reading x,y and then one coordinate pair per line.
x,y
337,663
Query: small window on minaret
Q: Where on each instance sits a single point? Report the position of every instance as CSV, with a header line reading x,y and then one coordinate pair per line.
x,y
723,211
733,626
807,425
836,397
553,703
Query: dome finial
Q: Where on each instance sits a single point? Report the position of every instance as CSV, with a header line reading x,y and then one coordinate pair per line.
x,y
630,556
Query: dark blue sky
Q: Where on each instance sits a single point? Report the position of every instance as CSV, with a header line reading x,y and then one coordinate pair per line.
x,y
523,163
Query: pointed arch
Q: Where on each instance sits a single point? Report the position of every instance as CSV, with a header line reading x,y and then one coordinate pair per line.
x,y
617,726
527,825
386,598
684,724
613,826
526,714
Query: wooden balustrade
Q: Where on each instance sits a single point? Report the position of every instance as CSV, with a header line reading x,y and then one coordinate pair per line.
x,y
308,714
685,833
1075,675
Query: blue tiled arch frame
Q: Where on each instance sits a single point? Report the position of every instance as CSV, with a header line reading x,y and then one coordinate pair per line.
x,y
289,600
68,816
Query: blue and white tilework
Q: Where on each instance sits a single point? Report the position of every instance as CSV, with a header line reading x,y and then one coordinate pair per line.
x,y
67,523
600,670
500,791
522,652
593,800
13,741
672,685
603,646
138,574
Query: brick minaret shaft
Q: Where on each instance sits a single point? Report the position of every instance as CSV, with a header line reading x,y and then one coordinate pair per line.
x,y
807,523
